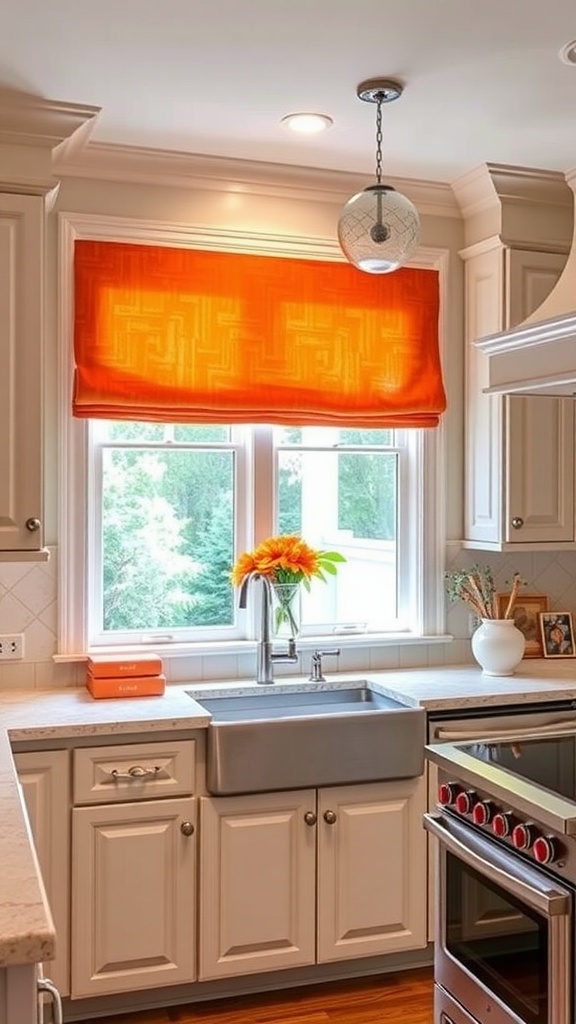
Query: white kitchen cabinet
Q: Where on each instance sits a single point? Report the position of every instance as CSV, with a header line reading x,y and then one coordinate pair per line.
x,y
258,891
520,450
45,780
294,878
372,869
18,994
21,326
133,896
134,868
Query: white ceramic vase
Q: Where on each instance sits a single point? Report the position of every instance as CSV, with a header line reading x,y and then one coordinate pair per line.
x,y
498,646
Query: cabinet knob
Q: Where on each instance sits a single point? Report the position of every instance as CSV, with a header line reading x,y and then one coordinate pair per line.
x,y
33,524
187,828
330,817
517,522
310,818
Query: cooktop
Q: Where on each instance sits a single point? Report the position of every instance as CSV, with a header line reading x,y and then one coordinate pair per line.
x,y
549,762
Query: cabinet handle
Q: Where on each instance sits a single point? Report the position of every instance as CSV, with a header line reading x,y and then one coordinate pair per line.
x,y
310,818
187,828
135,772
517,522
330,817
33,524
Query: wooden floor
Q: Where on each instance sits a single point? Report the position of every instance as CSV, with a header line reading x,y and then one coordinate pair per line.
x,y
404,998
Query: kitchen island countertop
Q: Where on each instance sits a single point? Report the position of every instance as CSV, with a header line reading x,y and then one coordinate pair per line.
x,y
60,716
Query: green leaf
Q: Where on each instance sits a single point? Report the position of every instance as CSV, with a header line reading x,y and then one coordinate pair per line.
x,y
329,567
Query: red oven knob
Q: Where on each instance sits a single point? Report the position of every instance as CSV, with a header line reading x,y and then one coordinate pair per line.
x,y
482,812
447,793
544,849
502,823
465,801
523,836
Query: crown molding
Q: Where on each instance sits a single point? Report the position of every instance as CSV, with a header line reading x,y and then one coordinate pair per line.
x,y
45,188
27,120
104,227
146,166
490,185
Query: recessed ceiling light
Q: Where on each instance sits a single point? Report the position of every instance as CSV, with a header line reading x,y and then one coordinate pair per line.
x,y
568,53
307,124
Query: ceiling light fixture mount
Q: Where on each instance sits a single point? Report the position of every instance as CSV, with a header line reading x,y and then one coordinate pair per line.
x,y
379,228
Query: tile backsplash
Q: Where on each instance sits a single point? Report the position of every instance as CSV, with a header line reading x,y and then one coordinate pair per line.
x,y
29,605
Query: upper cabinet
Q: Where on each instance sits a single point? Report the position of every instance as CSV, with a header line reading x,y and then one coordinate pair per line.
x,y
35,134
519,450
21,324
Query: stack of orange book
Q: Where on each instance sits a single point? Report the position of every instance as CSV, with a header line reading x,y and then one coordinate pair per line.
x,y
138,676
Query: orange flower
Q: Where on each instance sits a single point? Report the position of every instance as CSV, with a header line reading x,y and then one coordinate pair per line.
x,y
244,566
289,553
286,559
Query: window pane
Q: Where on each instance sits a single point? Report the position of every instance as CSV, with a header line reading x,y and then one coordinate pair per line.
x,y
191,433
167,538
331,436
120,430
345,501
365,437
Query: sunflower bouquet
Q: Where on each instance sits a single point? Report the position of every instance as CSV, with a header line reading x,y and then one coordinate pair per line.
x,y
288,562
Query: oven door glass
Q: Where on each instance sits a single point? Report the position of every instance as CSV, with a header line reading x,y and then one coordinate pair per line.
x,y
499,940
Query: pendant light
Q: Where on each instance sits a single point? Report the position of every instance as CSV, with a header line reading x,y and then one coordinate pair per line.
x,y
379,228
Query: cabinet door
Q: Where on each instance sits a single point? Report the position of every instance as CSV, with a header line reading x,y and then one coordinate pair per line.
x,y
372,869
257,898
133,896
519,450
45,780
540,481
21,318
483,425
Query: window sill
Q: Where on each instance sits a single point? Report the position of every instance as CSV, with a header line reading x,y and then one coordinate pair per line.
x,y
237,647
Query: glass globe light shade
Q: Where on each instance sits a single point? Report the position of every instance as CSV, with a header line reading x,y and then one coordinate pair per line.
x,y
379,229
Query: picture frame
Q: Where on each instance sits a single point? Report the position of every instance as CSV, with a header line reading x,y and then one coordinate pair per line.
x,y
526,615
557,634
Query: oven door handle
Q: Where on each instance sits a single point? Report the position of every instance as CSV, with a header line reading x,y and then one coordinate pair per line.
x,y
515,877
453,735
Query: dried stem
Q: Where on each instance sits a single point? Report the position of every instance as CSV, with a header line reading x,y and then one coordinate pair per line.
x,y
516,584
475,587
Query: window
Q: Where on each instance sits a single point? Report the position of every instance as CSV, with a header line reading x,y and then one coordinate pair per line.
x,y
154,515
169,511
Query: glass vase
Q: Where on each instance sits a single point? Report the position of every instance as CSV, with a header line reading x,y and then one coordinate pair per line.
x,y
498,646
285,619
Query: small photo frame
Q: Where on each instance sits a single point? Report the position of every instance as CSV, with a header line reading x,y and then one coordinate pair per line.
x,y
557,634
526,617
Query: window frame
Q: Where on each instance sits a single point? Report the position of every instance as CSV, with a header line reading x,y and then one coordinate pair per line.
x,y
428,531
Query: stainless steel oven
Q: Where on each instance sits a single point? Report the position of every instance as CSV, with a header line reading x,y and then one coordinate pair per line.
x,y
506,869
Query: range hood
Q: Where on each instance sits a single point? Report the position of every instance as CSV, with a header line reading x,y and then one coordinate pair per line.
x,y
538,357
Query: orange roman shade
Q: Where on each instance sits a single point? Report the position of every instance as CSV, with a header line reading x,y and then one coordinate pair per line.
x,y
184,335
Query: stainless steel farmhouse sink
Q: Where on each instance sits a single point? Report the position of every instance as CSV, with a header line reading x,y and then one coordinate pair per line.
x,y
274,740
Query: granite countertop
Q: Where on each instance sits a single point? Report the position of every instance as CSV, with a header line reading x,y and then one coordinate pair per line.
x,y
26,927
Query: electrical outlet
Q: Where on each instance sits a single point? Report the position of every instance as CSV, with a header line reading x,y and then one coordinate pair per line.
x,y
11,646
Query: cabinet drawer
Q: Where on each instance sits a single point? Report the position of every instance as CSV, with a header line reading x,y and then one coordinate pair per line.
x,y
137,771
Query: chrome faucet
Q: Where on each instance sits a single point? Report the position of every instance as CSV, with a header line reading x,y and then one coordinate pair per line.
x,y
265,656
316,674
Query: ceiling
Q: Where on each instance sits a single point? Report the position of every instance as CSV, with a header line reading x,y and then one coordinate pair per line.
x,y
483,79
